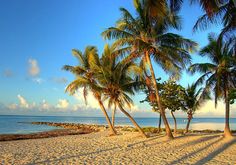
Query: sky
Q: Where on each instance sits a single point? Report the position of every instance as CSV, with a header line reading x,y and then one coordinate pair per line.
x,y
36,41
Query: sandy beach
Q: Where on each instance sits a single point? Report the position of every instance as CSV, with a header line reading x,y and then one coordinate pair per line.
x,y
126,148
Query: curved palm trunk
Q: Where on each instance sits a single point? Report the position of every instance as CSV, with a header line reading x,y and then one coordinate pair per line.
x,y
162,112
159,124
132,120
227,132
190,116
113,116
107,118
175,130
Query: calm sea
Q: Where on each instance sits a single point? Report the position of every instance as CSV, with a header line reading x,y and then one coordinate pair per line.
x,y
12,125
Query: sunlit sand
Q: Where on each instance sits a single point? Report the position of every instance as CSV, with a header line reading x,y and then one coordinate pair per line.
x,y
126,148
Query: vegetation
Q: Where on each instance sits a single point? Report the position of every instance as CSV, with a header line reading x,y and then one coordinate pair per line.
x,y
145,38
171,97
192,100
217,12
117,80
85,78
219,74
232,96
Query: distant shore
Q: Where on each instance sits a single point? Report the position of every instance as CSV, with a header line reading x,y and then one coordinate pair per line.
x,y
77,129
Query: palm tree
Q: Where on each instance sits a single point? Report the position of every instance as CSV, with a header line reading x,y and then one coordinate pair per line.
x,y
217,12
219,73
144,39
232,95
157,10
147,88
113,116
192,99
116,79
85,78
210,7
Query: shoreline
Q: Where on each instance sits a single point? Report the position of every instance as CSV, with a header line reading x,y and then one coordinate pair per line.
x,y
78,128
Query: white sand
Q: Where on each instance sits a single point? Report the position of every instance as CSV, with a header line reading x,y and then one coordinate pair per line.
x,y
99,148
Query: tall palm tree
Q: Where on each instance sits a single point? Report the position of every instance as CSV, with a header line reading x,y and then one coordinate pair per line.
x,y
113,116
157,10
232,95
217,12
219,73
84,78
192,99
143,38
117,80
210,7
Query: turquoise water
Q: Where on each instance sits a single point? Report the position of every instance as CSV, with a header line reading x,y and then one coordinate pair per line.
x,y
12,125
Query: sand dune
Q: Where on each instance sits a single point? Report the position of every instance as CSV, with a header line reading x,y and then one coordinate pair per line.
x,y
128,148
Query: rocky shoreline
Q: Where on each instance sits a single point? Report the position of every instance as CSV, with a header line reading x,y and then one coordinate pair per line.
x,y
66,129
69,129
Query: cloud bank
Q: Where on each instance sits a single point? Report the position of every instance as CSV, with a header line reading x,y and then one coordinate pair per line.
x,y
64,106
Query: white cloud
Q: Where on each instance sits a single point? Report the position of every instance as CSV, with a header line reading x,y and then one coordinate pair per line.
x,y
62,104
33,67
59,80
209,109
38,80
76,108
136,108
12,106
23,102
92,103
44,105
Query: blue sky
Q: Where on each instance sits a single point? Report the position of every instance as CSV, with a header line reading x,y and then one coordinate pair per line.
x,y
36,41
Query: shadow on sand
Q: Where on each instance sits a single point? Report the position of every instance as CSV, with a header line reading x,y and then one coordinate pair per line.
x,y
127,146
141,144
216,152
207,158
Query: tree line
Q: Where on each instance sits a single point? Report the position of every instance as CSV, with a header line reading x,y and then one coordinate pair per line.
x,y
144,39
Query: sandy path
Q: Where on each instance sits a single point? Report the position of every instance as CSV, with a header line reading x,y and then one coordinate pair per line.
x,y
99,148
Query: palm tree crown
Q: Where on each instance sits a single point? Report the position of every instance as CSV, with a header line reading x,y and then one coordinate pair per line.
x,y
117,80
142,37
193,97
219,74
85,77
218,12
138,35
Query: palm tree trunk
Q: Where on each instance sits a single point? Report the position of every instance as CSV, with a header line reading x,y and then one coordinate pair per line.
x,y
187,126
162,112
227,132
190,116
113,116
175,130
132,120
159,124
113,132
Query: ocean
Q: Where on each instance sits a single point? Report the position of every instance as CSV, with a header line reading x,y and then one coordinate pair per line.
x,y
12,124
